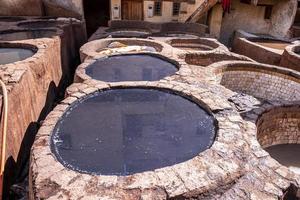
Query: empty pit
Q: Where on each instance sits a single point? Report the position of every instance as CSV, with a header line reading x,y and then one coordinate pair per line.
x,y
11,35
142,129
210,58
196,44
13,53
278,132
264,50
259,80
270,43
130,67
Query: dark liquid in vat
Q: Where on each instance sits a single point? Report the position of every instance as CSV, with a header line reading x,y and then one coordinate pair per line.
x,y
130,68
126,131
10,55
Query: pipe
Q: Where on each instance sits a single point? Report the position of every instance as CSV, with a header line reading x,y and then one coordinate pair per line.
x,y
4,134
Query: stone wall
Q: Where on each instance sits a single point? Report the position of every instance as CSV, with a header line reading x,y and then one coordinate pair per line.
x,y
279,126
262,81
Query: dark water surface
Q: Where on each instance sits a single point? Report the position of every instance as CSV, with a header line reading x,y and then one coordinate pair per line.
x,y
130,68
10,55
11,35
126,131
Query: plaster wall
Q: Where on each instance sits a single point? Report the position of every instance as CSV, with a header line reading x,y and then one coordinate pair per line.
x,y
251,18
64,8
167,15
20,7
246,17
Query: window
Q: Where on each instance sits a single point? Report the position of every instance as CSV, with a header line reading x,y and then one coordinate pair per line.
x,y
268,12
157,8
176,8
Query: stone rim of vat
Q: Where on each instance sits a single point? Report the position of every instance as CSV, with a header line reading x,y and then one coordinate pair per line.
x,y
215,44
55,23
28,46
271,70
91,48
10,19
225,169
81,75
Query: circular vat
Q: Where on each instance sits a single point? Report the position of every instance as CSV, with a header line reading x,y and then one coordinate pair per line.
x,y
210,58
270,43
278,132
10,53
195,44
131,67
11,19
291,57
131,130
11,35
259,80
41,24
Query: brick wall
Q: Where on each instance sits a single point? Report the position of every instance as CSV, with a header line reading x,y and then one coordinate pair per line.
x,y
279,126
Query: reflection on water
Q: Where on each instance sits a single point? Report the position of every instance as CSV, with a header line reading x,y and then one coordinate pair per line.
x,y
130,68
10,55
125,131
286,154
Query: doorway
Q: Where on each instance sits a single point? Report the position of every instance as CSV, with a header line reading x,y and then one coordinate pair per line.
x,y
132,9
96,14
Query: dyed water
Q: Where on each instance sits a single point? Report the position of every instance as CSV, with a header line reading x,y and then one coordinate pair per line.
x,y
126,131
286,154
25,35
130,68
10,55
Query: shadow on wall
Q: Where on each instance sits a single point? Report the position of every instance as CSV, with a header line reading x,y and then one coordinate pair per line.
x,y
96,14
17,171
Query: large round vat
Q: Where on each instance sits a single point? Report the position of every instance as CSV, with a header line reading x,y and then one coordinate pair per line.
x,y
126,131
